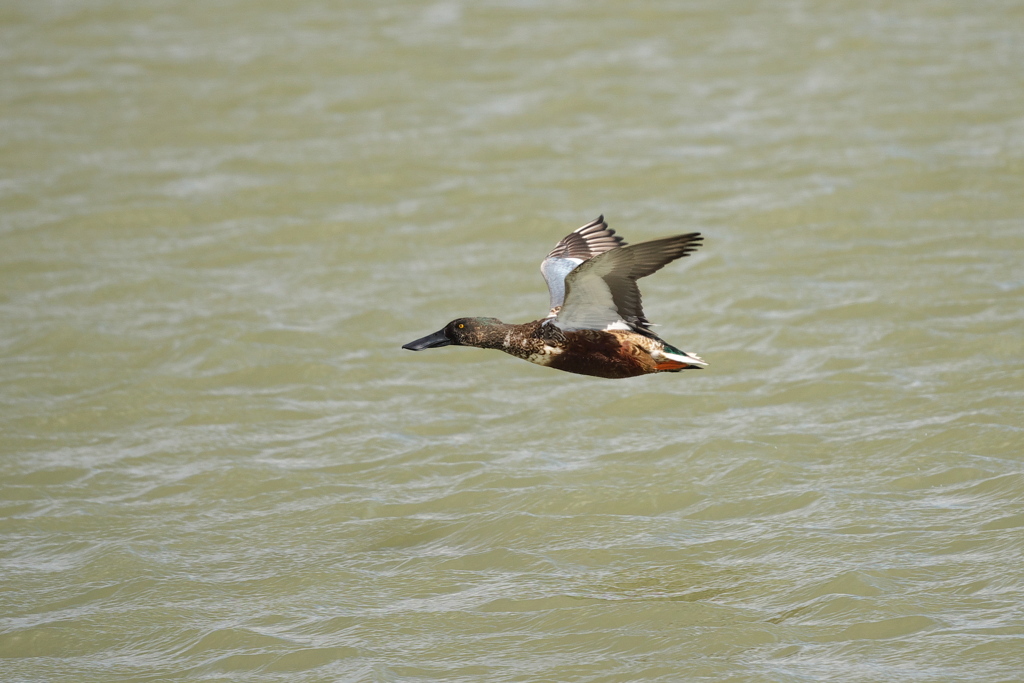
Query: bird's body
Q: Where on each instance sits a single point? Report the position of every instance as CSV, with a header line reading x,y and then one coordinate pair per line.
x,y
596,325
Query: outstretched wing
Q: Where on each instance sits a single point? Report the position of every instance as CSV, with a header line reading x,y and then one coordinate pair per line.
x,y
581,245
602,292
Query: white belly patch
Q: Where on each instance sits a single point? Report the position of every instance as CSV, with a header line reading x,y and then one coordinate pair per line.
x,y
545,356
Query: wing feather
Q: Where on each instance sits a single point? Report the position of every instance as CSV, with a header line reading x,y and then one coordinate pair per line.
x,y
602,293
581,245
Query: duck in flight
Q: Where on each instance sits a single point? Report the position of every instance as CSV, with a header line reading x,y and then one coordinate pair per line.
x,y
596,325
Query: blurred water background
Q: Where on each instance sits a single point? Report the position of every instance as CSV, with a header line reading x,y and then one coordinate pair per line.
x,y
219,221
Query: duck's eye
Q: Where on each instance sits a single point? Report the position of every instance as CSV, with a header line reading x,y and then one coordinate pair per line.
x,y
461,326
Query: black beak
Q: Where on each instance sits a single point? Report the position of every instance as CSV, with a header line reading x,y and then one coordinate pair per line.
x,y
431,341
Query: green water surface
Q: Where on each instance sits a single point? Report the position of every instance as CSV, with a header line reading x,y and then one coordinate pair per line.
x,y
219,221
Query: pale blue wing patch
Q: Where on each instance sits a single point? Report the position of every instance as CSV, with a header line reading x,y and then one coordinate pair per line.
x,y
580,245
554,271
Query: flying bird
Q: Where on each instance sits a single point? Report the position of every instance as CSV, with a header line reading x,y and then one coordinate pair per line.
x,y
596,325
